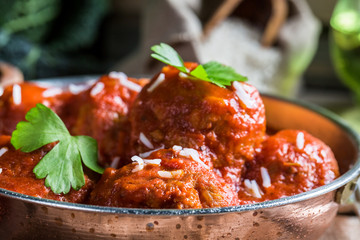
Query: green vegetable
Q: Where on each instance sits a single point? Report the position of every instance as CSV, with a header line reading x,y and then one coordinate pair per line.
x,y
213,71
166,54
61,166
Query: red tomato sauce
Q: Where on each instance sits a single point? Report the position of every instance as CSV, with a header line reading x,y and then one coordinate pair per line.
x,y
17,174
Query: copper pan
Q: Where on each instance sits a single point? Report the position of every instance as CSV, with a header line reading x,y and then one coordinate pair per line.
x,y
303,216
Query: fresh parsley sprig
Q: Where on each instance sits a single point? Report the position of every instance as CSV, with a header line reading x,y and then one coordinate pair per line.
x,y
212,71
61,166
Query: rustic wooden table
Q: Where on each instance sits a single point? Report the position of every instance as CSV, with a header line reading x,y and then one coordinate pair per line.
x,y
343,228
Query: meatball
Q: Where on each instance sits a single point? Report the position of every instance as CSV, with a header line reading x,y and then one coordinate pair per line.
x,y
227,123
101,112
290,162
18,99
167,178
16,174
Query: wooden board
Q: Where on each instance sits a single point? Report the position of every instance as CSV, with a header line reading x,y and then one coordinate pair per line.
x,y
343,228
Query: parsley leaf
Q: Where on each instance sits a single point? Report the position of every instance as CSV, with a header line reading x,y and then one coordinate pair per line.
x,y
220,73
166,54
61,166
212,71
200,73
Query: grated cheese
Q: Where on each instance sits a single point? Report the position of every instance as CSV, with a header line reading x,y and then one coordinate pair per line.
x,y
3,150
323,153
145,141
115,162
146,154
317,158
157,82
99,86
300,141
183,75
52,92
189,152
253,188
140,163
118,100
130,85
46,103
243,95
265,177
170,174
137,159
16,94
138,168
78,88
125,82
247,183
117,75
256,189
155,161
177,148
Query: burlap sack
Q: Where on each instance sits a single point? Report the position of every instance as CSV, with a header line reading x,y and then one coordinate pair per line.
x,y
235,42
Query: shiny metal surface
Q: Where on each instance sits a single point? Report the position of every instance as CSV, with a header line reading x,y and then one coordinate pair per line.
x,y
303,216
302,220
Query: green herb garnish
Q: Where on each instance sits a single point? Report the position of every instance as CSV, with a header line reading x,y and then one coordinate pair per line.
x,y
213,71
62,166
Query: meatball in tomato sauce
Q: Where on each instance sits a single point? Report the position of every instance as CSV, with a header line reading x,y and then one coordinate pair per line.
x,y
101,112
168,178
227,123
16,174
18,99
290,162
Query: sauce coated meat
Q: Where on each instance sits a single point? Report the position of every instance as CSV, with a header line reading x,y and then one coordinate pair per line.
x,y
165,179
101,112
175,142
17,174
200,115
290,162
18,99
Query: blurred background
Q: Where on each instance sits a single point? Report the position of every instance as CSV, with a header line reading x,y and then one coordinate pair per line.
x,y
283,49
